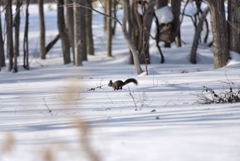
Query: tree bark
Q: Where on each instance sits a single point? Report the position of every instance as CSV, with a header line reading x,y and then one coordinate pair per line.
x,y
79,32
70,25
17,26
234,24
9,30
2,55
115,4
197,35
127,37
105,18
52,43
147,24
109,29
176,8
140,27
220,34
42,29
133,28
89,32
159,4
25,39
63,32
83,30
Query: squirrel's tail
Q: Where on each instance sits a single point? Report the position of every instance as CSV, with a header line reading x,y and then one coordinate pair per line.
x,y
131,80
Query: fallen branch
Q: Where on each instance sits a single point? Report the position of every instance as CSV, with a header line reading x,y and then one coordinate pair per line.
x,y
52,43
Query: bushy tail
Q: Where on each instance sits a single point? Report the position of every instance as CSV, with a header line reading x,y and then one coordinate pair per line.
x,y
131,80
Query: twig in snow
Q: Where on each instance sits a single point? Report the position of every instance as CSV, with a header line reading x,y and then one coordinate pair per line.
x,y
46,105
131,95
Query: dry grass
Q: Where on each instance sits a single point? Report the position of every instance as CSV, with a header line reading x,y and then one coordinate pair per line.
x,y
71,92
8,143
85,142
210,96
70,97
48,154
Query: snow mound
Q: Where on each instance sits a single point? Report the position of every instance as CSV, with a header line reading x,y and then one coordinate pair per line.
x,y
191,9
235,59
140,9
164,15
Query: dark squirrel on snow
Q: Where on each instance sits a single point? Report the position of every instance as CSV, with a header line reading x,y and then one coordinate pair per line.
x,y
119,83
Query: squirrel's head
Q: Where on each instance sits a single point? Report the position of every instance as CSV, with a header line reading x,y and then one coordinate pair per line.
x,y
110,83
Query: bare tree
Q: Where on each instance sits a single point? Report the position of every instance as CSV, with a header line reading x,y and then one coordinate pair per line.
x,y
2,56
115,8
105,12
89,32
52,43
83,30
176,8
79,31
9,29
127,37
197,35
63,32
42,29
70,25
79,5
234,24
159,4
141,18
220,34
16,23
109,28
25,39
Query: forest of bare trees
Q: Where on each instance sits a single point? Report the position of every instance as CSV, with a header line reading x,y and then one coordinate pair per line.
x,y
74,22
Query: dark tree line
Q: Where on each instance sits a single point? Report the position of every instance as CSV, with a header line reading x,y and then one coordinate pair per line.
x,y
74,22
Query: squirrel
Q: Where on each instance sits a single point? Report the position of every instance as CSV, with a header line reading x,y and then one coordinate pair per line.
x,y
119,84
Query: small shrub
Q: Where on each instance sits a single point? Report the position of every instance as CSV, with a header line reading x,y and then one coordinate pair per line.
x,y
209,96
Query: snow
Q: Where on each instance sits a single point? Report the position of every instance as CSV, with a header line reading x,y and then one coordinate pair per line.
x,y
160,121
140,9
191,9
164,15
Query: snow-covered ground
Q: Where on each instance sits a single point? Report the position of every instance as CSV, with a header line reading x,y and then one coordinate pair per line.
x,y
159,119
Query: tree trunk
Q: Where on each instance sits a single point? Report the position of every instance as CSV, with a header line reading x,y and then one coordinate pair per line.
x,y
90,42
25,39
146,29
9,30
17,26
140,27
115,3
130,42
104,17
70,25
83,30
42,29
234,24
220,34
2,55
63,32
52,43
79,32
109,29
160,4
130,29
197,35
176,8
133,28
